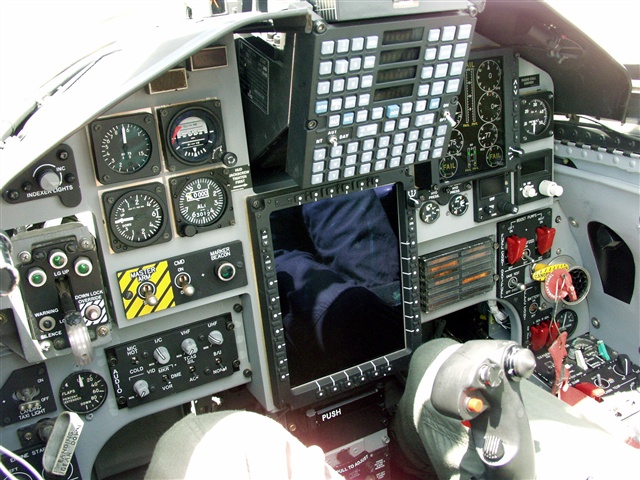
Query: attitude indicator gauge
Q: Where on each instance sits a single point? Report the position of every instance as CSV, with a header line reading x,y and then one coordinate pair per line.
x,y
193,135
137,217
125,148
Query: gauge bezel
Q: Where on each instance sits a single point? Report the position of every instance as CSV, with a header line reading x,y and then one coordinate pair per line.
x,y
97,131
110,199
95,404
571,329
184,226
170,114
525,99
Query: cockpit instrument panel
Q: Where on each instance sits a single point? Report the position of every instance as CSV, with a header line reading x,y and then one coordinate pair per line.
x,y
536,116
324,291
486,118
369,97
192,134
125,148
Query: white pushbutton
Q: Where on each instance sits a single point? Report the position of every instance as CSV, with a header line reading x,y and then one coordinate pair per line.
x,y
529,191
550,189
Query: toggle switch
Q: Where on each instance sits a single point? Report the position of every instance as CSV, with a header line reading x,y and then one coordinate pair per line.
x,y
183,281
149,294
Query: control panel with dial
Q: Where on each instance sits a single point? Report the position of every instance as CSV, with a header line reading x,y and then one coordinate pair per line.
x,y
201,202
536,116
154,367
125,148
137,216
483,127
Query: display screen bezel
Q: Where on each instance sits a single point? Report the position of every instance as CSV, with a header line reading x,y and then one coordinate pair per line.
x,y
261,208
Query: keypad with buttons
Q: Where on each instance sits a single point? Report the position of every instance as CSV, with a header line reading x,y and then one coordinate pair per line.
x,y
377,98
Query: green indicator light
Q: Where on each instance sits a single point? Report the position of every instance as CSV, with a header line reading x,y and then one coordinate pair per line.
x,y
37,278
58,260
84,268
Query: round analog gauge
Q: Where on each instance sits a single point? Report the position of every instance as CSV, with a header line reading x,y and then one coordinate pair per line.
x,y
488,135
448,166
489,75
458,204
458,116
429,212
202,201
137,218
535,116
83,392
125,148
193,135
495,156
490,107
456,142
567,321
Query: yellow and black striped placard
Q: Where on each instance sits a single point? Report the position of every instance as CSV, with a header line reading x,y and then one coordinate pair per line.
x,y
158,277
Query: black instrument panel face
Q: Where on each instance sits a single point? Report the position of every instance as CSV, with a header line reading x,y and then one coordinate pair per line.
x,y
367,98
291,248
485,126
137,216
125,148
192,134
536,116
201,202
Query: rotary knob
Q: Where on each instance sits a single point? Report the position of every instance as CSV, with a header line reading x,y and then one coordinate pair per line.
x,y
48,178
189,346
141,388
215,337
162,355
529,191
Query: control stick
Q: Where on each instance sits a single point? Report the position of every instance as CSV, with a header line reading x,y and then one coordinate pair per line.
x,y
479,383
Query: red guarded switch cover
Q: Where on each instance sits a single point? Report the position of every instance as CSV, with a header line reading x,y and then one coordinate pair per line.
x,y
545,236
515,248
